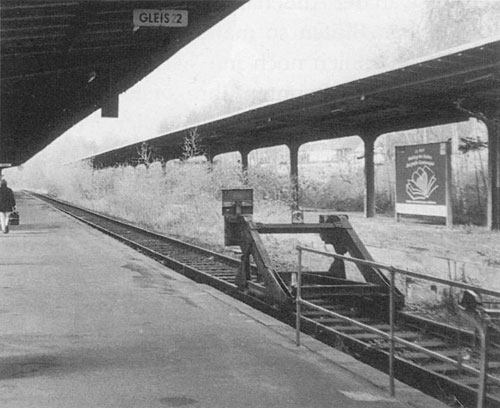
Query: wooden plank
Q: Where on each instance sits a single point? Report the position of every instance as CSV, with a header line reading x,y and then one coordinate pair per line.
x,y
309,228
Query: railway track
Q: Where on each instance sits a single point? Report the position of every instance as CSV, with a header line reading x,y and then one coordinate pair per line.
x,y
448,382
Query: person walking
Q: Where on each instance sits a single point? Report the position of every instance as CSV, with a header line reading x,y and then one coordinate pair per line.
x,y
7,205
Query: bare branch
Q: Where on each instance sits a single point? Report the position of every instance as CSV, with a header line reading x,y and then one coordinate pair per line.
x,y
145,153
192,145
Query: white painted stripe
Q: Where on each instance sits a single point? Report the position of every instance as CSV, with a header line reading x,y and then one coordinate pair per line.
x,y
365,396
421,209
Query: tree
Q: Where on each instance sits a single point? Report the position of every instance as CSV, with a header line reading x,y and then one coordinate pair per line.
x,y
192,145
145,153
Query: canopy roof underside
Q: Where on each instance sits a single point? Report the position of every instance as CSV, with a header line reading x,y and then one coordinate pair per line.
x,y
62,60
440,89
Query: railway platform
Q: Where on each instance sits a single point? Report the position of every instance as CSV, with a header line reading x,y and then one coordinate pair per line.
x,y
86,321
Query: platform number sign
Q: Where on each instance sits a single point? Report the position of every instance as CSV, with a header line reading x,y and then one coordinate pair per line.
x,y
160,18
423,180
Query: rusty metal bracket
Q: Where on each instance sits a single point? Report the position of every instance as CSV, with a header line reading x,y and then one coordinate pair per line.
x,y
262,279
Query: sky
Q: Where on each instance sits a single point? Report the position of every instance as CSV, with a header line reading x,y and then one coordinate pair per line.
x,y
283,47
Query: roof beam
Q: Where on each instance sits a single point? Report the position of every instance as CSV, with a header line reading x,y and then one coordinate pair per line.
x,y
53,27
84,14
142,46
29,37
39,5
58,71
64,17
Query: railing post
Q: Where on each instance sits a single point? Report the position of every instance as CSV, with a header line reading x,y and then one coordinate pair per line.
x,y
483,376
479,319
391,322
298,298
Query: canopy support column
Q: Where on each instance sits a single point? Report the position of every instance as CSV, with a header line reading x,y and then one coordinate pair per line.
x,y
244,164
294,173
244,159
369,204
209,157
493,211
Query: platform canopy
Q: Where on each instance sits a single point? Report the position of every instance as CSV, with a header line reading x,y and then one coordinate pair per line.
x,y
63,60
448,87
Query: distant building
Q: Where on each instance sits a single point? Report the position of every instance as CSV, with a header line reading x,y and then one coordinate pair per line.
x,y
332,150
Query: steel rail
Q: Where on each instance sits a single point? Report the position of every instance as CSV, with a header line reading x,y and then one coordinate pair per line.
x,y
387,336
403,271
224,258
194,271
484,377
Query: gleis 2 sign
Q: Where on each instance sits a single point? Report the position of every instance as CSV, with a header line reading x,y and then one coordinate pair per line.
x,y
160,18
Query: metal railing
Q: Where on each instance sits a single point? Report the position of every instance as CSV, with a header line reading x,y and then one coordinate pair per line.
x,y
481,322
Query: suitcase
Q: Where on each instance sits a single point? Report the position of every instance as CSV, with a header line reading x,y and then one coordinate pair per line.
x,y
14,218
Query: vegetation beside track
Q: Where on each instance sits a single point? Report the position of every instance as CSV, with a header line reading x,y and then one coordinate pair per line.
x,y
184,200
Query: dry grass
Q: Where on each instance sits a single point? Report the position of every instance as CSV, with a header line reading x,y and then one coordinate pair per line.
x,y
185,201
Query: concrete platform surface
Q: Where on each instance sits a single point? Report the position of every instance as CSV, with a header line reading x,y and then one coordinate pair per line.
x,y
86,321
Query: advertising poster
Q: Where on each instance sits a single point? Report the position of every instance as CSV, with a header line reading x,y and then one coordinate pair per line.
x,y
421,179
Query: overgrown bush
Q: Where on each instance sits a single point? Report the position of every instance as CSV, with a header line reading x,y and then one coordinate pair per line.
x,y
384,202
189,192
182,199
341,191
